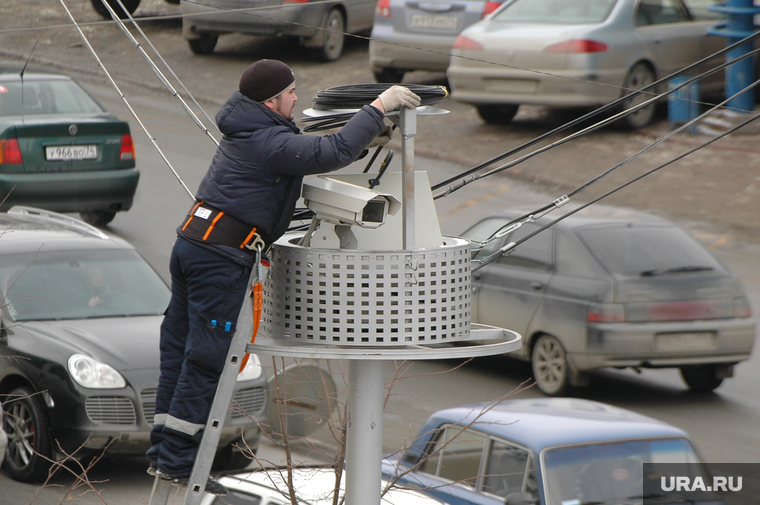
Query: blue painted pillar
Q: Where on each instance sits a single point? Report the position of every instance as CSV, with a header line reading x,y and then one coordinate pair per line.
x,y
740,24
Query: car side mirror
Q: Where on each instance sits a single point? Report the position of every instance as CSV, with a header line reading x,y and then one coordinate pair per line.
x,y
520,498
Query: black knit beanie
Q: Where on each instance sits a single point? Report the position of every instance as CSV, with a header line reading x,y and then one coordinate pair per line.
x,y
266,79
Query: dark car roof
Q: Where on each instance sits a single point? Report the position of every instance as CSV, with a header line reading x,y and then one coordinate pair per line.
x,y
33,227
540,423
592,215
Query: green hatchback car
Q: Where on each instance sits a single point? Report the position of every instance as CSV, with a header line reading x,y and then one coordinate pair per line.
x,y
60,149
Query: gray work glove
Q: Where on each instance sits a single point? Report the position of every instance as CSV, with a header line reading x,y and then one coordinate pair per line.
x,y
398,96
382,138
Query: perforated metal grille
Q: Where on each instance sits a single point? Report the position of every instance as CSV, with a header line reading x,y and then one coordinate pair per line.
x,y
110,410
247,402
389,298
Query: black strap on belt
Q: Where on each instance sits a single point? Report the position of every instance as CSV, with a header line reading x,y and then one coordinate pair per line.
x,y
208,224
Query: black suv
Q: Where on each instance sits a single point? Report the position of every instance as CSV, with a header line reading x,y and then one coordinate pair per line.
x,y
80,312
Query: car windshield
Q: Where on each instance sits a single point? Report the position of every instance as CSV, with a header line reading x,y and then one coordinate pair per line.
x,y
80,285
566,12
59,96
642,251
608,473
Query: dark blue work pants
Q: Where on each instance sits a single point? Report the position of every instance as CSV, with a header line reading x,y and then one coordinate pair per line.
x,y
207,293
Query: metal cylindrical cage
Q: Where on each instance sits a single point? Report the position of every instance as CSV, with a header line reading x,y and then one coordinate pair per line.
x,y
368,298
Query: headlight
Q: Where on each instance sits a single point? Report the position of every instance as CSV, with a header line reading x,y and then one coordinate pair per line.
x,y
93,374
252,369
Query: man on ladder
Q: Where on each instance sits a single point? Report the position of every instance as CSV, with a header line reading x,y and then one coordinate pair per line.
x,y
244,203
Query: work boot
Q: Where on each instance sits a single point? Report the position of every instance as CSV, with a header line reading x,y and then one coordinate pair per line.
x,y
212,486
152,468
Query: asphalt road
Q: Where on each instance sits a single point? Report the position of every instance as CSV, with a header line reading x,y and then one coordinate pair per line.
x,y
723,424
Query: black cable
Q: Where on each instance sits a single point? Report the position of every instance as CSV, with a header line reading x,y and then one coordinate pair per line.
x,y
383,167
513,245
611,105
355,96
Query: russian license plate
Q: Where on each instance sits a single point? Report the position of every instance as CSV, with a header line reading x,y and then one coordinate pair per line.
x,y
71,153
684,341
433,21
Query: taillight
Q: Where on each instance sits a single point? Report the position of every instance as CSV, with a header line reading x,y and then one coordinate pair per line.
x,y
463,42
489,8
10,152
606,313
127,151
383,8
577,46
741,307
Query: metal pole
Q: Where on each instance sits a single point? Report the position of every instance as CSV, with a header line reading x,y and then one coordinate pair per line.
x,y
408,127
364,433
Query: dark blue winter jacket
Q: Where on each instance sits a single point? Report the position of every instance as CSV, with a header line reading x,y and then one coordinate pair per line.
x,y
257,171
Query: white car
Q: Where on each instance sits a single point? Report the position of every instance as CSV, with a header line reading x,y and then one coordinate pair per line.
x,y
314,487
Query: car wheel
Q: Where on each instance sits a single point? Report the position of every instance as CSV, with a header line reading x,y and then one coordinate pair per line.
x,y
550,369
204,44
494,113
389,75
334,39
30,448
97,218
230,458
130,5
701,378
638,77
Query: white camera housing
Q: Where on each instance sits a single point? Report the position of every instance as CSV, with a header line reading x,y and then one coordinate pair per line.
x,y
342,203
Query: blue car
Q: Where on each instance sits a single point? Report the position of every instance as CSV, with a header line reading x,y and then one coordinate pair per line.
x,y
548,451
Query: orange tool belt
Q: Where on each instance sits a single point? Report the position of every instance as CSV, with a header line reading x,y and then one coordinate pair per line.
x,y
208,224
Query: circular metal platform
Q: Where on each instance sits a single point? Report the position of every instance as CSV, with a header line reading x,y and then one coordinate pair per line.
x,y
484,341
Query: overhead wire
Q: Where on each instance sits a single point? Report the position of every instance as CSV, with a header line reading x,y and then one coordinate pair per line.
x,y
580,133
608,107
516,223
124,99
157,71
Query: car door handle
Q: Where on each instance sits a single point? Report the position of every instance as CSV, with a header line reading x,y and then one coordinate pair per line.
x,y
476,276
536,285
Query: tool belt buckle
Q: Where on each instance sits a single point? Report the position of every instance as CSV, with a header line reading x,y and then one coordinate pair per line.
x,y
257,244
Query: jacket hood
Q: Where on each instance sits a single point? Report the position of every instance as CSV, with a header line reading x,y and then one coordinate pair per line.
x,y
241,114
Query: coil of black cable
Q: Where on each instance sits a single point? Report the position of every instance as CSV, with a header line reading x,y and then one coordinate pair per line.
x,y
355,96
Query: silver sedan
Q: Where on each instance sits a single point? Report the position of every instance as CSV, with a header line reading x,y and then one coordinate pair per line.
x,y
579,53
315,24
605,289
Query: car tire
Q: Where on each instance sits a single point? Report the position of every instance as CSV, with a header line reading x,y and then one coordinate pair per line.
x,y
497,113
205,44
130,5
550,368
389,75
230,458
335,26
639,75
98,218
701,378
30,448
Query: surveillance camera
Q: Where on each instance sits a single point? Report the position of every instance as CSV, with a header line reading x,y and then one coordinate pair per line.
x,y
342,203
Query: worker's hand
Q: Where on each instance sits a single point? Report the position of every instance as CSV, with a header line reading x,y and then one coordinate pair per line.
x,y
398,96
382,138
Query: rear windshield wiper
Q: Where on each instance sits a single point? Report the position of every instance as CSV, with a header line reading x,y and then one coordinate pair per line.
x,y
676,270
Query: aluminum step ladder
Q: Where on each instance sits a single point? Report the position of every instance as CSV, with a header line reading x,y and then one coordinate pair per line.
x,y
162,491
